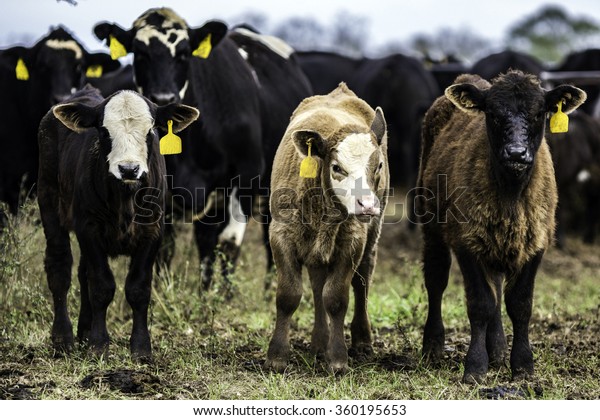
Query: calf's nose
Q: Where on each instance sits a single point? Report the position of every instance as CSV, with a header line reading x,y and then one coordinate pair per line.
x,y
129,171
368,205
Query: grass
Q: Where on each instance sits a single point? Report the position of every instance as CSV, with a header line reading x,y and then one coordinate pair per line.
x,y
206,347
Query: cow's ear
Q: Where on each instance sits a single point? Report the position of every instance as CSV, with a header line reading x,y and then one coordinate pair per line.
x,y
181,115
305,138
570,96
378,127
20,59
466,96
75,116
207,37
98,64
118,40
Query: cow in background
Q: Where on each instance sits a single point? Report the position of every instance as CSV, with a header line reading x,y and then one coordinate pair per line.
x,y
32,79
227,149
492,65
585,60
282,86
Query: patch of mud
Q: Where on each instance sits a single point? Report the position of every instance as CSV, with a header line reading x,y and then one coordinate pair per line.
x,y
126,381
502,392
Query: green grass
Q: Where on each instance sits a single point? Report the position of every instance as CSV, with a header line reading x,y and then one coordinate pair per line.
x,y
208,348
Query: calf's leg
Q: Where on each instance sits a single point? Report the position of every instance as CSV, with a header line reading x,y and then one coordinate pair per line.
x,y
360,327
287,299
519,300
58,262
84,323
335,297
138,289
436,267
101,289
495,340
481,309
320,333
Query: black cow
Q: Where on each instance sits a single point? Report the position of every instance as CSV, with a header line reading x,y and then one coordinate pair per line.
x,y
102,176
576,157
586,60
109,83
31,81
326,70
492,65
282,86
225,149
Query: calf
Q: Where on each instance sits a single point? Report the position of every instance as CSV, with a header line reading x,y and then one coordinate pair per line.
x,y
101,176
487,192
329,223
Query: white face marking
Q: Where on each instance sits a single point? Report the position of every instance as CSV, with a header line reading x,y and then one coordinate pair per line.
x,y
58,44
243,53
147,32
128,121
235,229
183,89
351,187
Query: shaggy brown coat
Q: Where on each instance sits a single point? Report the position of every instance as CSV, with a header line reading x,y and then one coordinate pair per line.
x,y
310,226
487,192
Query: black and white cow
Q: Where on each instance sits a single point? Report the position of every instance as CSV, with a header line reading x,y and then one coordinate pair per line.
x,y
102,176
225,149
31,81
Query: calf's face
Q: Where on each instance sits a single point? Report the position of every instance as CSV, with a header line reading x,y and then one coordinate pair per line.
x,y
353,163
515,109
162,45
126,124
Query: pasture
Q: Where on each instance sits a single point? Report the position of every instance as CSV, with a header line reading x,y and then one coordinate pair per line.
x,y
207,347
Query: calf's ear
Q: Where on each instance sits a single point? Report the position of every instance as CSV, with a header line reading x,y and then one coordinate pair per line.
x,y
378,127
181,115
303,138
570,96
466,97
75,116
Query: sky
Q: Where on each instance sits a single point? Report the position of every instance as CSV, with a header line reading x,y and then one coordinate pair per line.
x,y
388,20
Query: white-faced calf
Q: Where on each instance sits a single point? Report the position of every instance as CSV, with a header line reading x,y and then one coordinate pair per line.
x,y
329,223
102,176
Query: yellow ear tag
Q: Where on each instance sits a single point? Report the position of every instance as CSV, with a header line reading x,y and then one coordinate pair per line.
x,y
309,165
117,50
170,144
204,48
559,122
21,70
94,71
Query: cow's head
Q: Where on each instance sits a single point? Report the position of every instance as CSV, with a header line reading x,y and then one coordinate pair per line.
x,y
163,45
56,66
515,108
126,123
354,160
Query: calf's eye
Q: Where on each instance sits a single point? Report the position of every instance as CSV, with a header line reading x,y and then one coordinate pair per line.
x,y
337,169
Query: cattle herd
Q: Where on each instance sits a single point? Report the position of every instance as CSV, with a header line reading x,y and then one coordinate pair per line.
x,y
318,137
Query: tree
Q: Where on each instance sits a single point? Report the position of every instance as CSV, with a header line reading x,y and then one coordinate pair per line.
x,y
551,33
302,33
448,42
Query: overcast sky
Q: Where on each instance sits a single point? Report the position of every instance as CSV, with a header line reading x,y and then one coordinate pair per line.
x,y
388,20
